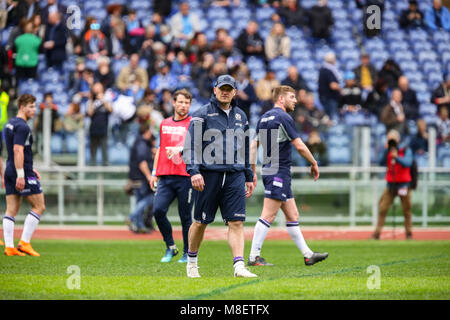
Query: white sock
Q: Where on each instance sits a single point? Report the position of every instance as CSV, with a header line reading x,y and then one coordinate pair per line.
x,y
261,228
31,222
239,263
192,257
296,235
8,230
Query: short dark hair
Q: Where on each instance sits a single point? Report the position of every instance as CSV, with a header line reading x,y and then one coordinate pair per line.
x,y
25,99
183,92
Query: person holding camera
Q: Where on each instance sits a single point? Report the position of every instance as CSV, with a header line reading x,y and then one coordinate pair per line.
x,y
399,160
98,110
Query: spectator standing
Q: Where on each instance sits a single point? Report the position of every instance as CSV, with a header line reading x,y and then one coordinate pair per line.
x,y
419,142
51,7
437,17
135,31
443,125
26,9
140,164
55,41
321,20
132,76
184,24
197,46
409,100
398,159
27,48
329,85
250,42
56,124
98,110
277,43
104,74
393,114
293,14
38,27
164,8
411,17
441,95
366,73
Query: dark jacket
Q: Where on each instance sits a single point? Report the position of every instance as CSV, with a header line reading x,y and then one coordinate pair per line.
x,y
244,40
299,84
410,104
373,74
140,151
406,23
57,54
321,21
61,9
299,17
211,117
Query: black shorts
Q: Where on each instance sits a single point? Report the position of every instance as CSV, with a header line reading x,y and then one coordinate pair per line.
x,y
32,185
224,190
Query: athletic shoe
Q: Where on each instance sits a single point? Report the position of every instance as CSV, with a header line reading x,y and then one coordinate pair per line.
x,y
170,253
192,270
316,257
259,261
243,272
2,243
183,258
13,252
26,248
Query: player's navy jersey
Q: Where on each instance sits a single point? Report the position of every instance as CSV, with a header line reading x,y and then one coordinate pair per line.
x,y
276,125
18,132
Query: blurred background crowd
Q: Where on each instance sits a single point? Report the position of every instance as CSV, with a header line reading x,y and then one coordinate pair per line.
x,y
106,66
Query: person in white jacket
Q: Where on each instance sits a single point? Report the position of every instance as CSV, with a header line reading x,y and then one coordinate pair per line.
x,y
184,23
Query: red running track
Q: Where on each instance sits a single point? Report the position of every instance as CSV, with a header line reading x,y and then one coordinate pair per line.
x,y
220,233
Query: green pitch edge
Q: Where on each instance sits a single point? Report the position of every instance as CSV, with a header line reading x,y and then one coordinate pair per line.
x,y
345,270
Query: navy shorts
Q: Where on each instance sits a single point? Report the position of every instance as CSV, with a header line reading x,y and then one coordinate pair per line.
x,y
32,185
224,190
278,187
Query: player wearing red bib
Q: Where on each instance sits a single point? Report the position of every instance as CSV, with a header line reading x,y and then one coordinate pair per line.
x,y
169,172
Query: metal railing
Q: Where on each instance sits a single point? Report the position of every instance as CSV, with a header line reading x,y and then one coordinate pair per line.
x,y
363,185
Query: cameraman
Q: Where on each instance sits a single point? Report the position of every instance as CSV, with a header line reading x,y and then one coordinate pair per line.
x,y
398,159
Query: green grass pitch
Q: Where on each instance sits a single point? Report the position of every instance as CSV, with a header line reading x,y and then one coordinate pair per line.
x,y
131,270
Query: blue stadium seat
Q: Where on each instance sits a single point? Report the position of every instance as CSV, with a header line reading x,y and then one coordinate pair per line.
x,y
216,13
355,119
417,35
224,23
339,141
441,36
56,143
241,14
264,13
398,46
50,75
29,86
71,140
427,55
427,108
118,154
430,119
422,160
424,97
280,63
339,155
408,66
403,55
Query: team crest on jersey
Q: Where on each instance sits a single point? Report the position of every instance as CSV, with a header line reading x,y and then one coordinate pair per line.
x,y
27,142
238,117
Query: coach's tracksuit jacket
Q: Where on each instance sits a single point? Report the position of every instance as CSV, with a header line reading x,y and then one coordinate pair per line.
x,y
211,116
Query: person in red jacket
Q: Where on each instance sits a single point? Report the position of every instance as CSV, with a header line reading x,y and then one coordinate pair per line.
x,y
398,159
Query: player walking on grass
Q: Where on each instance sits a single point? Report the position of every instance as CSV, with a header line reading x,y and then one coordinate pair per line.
x,y
21,180
278,126
174,182
219,171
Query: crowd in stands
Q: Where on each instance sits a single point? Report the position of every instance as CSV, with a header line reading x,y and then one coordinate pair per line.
x,y
121,70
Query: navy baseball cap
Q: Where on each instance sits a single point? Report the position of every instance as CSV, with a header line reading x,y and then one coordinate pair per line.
x,y
226,80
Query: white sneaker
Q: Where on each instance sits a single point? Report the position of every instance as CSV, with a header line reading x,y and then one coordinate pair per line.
x,y
244,273
192,270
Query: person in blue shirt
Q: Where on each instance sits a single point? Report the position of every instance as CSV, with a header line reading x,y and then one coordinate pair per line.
x,y
437,17
276,132
21,179
216,153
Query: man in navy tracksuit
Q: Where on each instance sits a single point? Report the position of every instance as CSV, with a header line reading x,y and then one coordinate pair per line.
x,y
216,153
